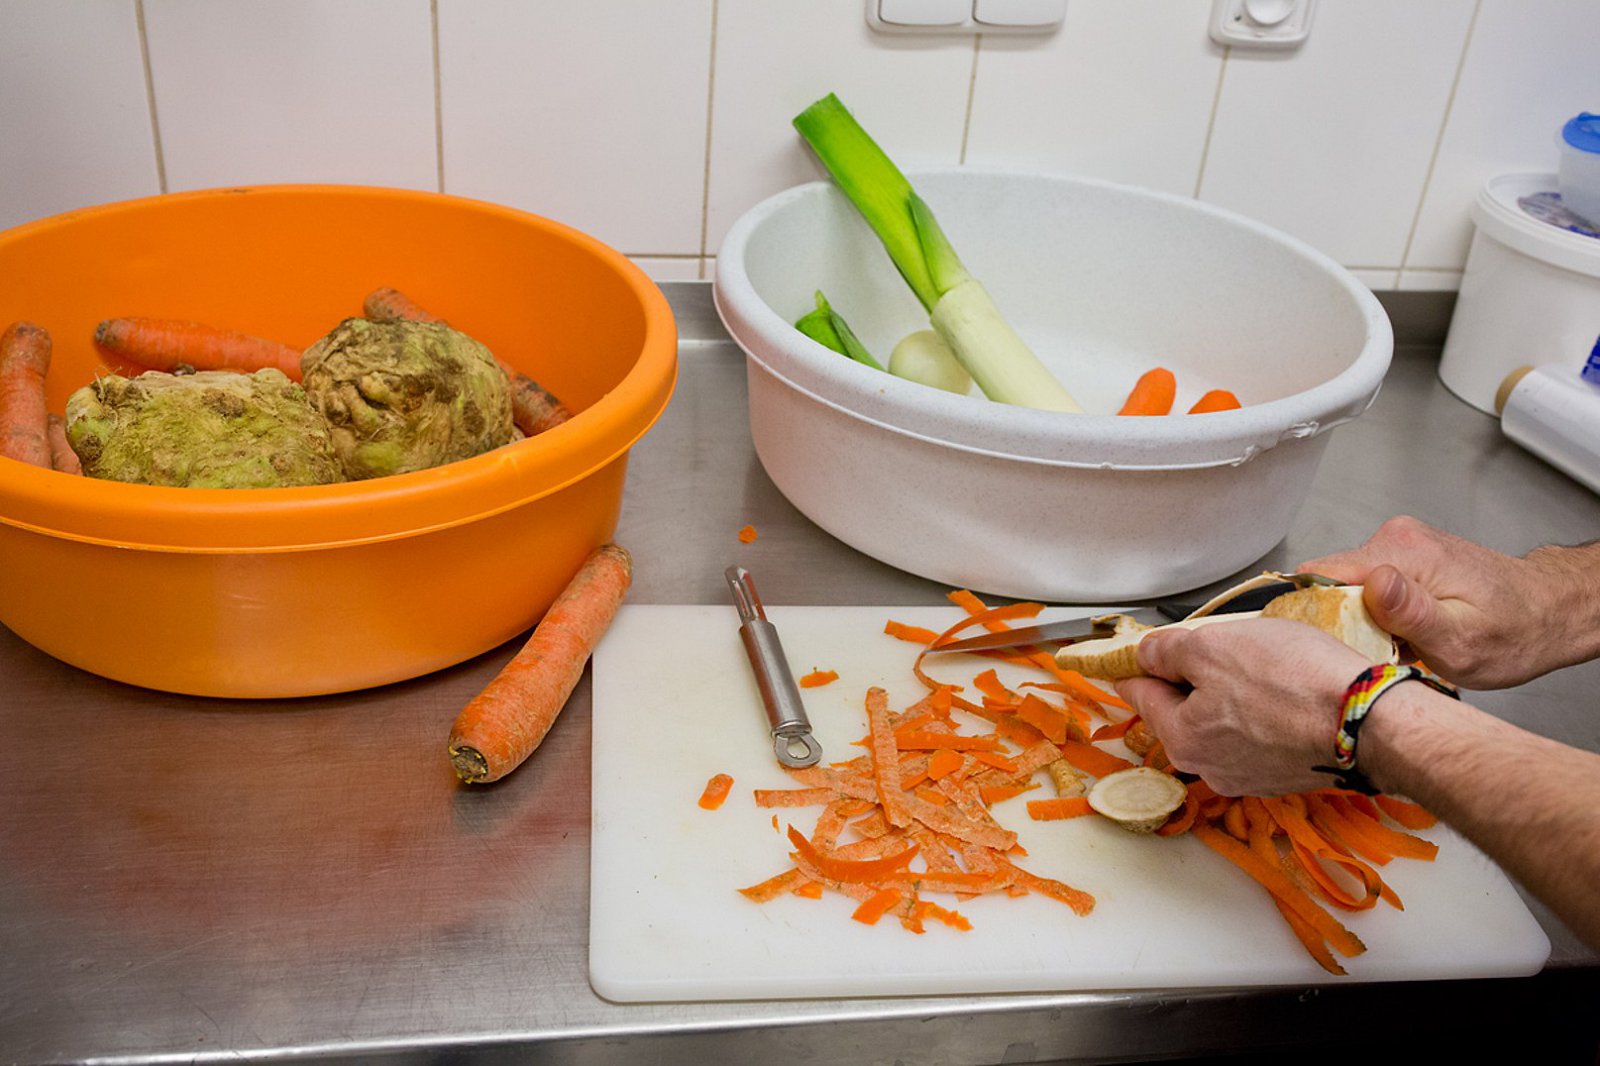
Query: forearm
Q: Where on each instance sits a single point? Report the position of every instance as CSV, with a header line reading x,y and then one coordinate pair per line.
x,y
1530,803
1570,613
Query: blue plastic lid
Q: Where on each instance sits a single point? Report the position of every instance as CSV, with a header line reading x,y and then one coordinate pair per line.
x,y
1583,132
1591,369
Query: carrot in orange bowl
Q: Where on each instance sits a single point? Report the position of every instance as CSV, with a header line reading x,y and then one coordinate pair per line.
x,y
505,722
168,344
1152,394
24,421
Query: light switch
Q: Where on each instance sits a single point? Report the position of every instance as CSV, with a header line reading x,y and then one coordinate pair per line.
x,y
1035,14
1261,23
912,13
954,18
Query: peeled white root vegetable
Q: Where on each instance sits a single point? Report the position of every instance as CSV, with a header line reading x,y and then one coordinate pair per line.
x,y
1139,799
925,358
1336,610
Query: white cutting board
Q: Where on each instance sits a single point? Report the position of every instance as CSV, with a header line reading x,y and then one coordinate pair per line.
x,y
675,702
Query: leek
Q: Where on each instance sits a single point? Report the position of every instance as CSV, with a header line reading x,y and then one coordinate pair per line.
x,y
828,328
958,306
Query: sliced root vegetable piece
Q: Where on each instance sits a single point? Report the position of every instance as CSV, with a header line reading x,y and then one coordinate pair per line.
x,y
1139,800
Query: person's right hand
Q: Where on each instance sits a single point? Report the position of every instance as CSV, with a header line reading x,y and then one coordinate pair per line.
x,y
1477,617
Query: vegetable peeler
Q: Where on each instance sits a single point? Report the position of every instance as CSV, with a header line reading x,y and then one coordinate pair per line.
x,y
792,741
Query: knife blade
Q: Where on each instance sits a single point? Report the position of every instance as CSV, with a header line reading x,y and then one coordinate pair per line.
x,y
1078,630
1055,633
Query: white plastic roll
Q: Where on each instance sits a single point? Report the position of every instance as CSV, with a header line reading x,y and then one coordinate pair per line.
x,y
1555,414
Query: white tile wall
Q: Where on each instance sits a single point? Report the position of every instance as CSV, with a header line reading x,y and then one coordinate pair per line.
x,y
1332,143
74,113
249,92
655,125
1123,92
593,114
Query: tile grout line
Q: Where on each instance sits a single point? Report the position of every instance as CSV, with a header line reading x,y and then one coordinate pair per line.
x,y
972,92
705,177
1211,121
1438,143
438,99
150,96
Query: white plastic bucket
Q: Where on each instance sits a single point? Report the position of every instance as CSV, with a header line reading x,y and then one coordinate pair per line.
x,y
1105,281
1530,294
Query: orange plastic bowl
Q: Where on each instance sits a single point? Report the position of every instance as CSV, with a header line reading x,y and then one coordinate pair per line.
x,y
303,591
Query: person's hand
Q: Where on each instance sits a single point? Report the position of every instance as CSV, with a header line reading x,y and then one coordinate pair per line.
x,y
1250,706
1474,616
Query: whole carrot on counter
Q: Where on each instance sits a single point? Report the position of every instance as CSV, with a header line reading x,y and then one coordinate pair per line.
x,y
1152,394
168,344
24,421
505,722
534,408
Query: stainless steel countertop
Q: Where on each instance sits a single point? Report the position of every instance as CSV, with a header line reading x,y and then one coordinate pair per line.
x,y
187,879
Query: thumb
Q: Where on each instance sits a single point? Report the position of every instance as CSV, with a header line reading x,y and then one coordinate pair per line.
x,y
1402,606
1160,654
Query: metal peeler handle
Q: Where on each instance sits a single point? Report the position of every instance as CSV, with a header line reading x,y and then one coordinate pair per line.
x,y
792,741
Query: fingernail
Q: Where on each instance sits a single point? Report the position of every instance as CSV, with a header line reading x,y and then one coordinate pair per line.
x,y
1393,593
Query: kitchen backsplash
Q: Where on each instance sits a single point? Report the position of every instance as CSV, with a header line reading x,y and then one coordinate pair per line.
x,y
653,124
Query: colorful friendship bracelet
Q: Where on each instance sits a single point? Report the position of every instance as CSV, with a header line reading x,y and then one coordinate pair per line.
x,y
1368,687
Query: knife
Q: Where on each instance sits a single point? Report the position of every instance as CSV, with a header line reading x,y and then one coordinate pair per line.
x,y
1078,630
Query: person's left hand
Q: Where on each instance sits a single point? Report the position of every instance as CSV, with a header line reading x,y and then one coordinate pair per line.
x,y
1250,706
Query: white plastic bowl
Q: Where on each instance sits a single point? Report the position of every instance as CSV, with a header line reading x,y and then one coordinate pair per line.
x,y
1104,281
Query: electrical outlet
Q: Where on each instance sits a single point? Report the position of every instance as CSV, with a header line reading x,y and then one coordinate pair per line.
x,y
1261,23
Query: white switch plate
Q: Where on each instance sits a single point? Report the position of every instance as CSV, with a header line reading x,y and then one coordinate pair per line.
x,y
1261,23
968,17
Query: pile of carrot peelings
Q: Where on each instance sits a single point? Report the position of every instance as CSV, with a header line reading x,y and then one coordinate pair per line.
x,y
911,818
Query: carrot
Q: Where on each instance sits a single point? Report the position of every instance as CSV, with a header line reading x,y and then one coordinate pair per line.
x,y
167,344
943,761
773,887
747,534
534,408
505,722
808,890
913,634
1407,814
1050,810
885,758
1275,881
876,906
1215,400
849,870
24,421
392,305
62,457
818,678
949,741
1091,760
716,791
1051,721
992,794
1152,394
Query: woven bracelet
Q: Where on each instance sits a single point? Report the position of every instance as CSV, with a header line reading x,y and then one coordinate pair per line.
x,y
1368,687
